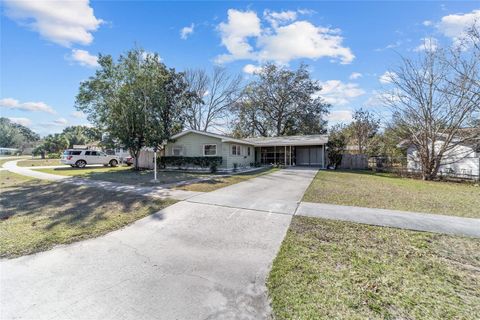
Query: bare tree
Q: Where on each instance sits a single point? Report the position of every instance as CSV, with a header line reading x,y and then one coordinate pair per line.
x,y
216,94
434,98
363,128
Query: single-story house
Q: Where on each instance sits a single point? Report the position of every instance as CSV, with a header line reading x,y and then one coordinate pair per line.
x,y
307,150
461,160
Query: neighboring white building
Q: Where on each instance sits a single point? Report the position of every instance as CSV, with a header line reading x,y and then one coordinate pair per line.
x,y
462,160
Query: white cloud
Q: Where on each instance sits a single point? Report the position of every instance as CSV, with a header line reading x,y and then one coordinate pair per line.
x,y
235,33
427,23
301,39
336,92
78,114
22,121
355,75
285,41
60,121
10,103
187,31
387,77
276,18
251,69
394,45
84,58
340,116
381,98
428,44
61,22
454,25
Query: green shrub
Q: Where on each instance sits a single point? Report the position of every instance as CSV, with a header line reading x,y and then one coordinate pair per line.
x,y
53,156
180,162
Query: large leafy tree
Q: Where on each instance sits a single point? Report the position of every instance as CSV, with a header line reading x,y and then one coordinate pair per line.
x,y
135,100
13,135
281,102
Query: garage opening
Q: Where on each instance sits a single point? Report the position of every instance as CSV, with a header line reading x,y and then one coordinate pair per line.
x,y
309,156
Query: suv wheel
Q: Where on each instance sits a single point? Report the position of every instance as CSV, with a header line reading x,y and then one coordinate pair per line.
x,y
81,163
113,163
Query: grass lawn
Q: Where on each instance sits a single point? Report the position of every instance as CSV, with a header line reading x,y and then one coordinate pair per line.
x,y
386,191
37,215
340,270
124,174
39,162
220,182
9,158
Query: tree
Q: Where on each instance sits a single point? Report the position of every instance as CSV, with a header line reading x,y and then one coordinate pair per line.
x,y
281,102
215,95
433,98
337,141
81,135
135,100
55,143
364,127
13,135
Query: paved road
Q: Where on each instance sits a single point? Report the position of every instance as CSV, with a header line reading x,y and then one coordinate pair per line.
x,y
393,218
204,258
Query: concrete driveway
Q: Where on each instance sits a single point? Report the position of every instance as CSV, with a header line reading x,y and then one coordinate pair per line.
x,y
203,258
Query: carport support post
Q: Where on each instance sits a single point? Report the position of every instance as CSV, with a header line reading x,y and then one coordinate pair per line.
x,y
285,155
155,164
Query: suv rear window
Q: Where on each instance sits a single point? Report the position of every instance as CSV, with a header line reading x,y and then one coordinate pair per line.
x,y
72,153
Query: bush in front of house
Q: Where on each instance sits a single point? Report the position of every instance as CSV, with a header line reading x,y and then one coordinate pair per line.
x,y
53,155
184,162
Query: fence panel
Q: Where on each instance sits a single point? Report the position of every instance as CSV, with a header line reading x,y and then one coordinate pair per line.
x,y
354,162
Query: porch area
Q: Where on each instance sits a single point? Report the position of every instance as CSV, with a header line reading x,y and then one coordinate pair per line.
x,y
291,155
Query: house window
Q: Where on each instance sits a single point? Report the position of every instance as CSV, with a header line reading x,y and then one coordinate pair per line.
x,y
248,151
177,151
235,150
209,149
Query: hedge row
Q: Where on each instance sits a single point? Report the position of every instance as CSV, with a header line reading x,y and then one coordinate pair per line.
x,y
202,162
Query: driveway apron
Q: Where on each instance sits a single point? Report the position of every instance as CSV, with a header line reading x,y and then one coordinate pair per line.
x,y
203,258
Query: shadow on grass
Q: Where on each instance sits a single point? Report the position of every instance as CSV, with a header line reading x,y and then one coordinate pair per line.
x,y
68,204
364,173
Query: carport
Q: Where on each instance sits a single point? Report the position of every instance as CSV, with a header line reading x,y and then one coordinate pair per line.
x,y
308,150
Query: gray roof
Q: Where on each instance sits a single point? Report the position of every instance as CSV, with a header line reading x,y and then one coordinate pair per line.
x,y
306,140
213,135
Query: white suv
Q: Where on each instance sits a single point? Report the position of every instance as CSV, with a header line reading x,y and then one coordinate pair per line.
x,y
80,158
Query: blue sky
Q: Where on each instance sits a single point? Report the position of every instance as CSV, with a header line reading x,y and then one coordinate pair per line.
x,y
49,47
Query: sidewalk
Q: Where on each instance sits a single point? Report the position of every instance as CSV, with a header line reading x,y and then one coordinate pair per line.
x,y
393,218
160,191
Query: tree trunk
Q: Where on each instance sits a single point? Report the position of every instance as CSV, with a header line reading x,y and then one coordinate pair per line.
x,y
135,154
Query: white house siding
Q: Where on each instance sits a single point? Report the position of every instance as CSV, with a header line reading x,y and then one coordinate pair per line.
x,y
243,160
192,145
462,160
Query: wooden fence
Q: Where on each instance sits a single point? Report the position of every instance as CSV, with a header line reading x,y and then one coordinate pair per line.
x,y
354,162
